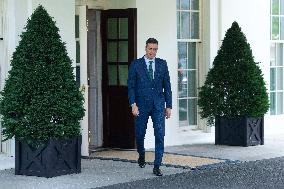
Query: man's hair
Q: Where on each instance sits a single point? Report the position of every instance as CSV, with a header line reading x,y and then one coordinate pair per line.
x,y
151,40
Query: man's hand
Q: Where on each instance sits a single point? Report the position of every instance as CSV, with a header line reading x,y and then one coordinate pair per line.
x,y
135,111
168,113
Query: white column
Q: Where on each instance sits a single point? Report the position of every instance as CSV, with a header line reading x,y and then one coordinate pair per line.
x,y
84,77
7,48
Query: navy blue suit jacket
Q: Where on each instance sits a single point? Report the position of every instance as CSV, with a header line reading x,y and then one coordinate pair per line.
x,y
142,90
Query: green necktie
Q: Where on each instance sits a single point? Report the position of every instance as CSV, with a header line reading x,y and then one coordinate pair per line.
x,y
150,70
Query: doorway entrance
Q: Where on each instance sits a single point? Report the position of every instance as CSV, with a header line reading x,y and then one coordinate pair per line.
x,y
111,46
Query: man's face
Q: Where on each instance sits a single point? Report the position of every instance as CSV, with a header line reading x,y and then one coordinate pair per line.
x,y
151,50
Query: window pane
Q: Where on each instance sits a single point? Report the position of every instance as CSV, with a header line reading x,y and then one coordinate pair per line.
x,y
178,25
272,103
77,52
76,26
112,28
279,78
123,28
282,7
182,84
191,55
282,28
112,52
112,75
178,4
184,28
279,54
123,75
184,4
192,111
182,55
194,4
183,112
279,103
275,7
272,54
192,83
275,28
123,51
272,79
78,76
194,26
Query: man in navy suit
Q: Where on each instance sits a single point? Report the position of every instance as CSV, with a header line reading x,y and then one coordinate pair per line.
x,y
149,93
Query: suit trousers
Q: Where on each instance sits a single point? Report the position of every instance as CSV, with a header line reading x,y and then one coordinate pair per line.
x,y
158,118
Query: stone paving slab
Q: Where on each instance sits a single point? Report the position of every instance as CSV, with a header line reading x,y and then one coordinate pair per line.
x,y
95,173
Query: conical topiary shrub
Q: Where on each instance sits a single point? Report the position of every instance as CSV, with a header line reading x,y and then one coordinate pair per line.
x,y
234,86
40,99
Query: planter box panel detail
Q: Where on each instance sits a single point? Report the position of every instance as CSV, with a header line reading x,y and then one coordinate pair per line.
x,y
58,157
239,131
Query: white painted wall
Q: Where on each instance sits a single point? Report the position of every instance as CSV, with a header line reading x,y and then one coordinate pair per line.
x,y
158,19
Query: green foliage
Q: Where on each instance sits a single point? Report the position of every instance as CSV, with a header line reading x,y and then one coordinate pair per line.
x,y
234,86
40,99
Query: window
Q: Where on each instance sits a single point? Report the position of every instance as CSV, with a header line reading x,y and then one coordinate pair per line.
x,y
276,57
77,38
187,36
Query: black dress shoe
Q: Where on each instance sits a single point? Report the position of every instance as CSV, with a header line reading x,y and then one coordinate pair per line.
x,y
157,172
141,162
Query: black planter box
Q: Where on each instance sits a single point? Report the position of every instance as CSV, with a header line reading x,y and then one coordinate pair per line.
x,y
241,131
58,157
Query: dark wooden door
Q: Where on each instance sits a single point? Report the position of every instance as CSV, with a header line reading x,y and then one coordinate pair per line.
x,y
118,50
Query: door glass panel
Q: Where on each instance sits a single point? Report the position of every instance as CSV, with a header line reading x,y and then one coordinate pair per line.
x,y
191,55
192,111
112,74
112,28
123,75
183,112
123,28
182,83
112,52
192,83
123,51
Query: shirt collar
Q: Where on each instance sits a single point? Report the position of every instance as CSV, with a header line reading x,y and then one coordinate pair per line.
x,y
147,60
